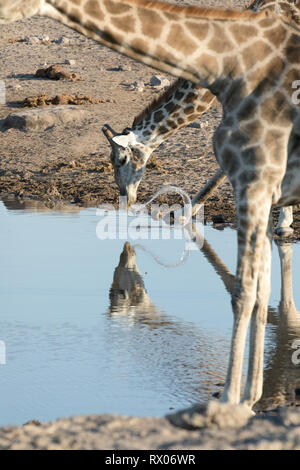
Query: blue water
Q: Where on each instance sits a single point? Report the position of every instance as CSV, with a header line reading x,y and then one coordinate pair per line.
x,y
70,350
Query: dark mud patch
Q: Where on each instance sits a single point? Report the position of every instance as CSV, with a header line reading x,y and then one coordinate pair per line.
x,y
55,72
64,99
89,181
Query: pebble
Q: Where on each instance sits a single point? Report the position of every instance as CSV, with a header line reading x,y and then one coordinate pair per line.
x,y
70,61
44,39
119,68
159,81
63,40
198,125
218,219
32,40
14,87
194,125
34,422
138,85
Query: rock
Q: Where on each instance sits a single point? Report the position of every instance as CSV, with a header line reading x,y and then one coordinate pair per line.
x,y
41,119
119,68
45,39
159,81
204,124
34,422
198,125
63,40
138,85
70,61
32,40
194,125
218,219
15,87
214,415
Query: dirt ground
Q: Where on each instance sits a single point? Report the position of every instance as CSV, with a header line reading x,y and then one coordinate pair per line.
x,y
71,162
105,432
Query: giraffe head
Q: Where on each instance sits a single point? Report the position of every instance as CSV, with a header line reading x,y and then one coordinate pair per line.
x,y
127,292
129,158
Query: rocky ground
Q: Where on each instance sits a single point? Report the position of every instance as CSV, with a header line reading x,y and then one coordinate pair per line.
x,y
64,156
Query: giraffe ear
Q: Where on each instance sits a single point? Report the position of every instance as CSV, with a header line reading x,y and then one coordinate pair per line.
x,y
108,132
122,140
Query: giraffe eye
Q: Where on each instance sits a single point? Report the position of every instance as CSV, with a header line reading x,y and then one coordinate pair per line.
x,y
122,161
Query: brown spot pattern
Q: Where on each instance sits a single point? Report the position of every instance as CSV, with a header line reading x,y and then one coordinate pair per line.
x,y
151,23
116,8
180,41
198,30
93,9
124,23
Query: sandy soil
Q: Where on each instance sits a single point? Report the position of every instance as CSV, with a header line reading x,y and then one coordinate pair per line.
x,y
70,162
278,432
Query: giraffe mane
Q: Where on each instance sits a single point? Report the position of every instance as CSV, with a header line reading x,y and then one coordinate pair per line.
x,y
157,102
198,12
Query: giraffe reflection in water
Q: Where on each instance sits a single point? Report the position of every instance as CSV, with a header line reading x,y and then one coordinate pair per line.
x,y
129,298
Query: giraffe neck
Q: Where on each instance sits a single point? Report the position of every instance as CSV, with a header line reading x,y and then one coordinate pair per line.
x,y
180,104
193,43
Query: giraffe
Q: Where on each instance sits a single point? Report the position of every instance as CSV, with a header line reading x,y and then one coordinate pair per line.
x,y
250,61
180,104
130,302
128,295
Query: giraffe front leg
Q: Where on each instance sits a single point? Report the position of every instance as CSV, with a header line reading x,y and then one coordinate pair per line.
x,y
253,216
251,285
254,384
283,228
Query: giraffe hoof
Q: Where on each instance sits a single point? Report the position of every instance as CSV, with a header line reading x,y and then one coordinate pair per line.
x,y
284,231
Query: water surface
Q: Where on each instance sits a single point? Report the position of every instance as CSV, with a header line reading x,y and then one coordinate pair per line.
x,y
93,326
